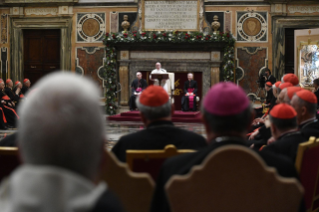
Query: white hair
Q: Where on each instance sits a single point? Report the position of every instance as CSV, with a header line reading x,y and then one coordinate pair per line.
x,y
154,113
190,74
138,73
61,124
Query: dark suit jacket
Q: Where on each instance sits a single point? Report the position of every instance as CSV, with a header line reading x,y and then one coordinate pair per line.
x,y
181,165
108,202
271,79
310,129
193,85
286,145
134,85
11,94
272,102
269,97
24,90
317,95
156,136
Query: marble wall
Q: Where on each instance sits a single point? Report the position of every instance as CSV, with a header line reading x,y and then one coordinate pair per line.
x,y
253,25
251,61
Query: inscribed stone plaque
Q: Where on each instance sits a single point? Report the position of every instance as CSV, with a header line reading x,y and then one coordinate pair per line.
x,y
171,15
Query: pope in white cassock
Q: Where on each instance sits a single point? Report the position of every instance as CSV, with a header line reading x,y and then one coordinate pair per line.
x,y
159,70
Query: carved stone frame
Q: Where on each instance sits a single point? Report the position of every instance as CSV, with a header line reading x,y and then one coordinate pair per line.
x,y
16,36
279,24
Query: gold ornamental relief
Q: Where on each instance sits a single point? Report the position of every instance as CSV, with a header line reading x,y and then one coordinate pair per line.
x,y
252,26
91,27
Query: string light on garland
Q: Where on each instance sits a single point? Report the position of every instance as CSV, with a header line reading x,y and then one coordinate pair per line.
x,y
156,37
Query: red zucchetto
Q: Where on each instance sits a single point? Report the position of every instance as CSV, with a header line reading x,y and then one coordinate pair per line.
x,y
26,80
225,99
283,111
17,82
154,96
292,90
307,96
268,84
277,84
285,85
8,80
293,79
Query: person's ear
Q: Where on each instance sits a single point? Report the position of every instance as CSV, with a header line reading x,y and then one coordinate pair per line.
x,y
303,111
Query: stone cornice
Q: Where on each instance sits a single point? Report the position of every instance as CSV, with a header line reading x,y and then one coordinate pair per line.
x,y
39,2
304,2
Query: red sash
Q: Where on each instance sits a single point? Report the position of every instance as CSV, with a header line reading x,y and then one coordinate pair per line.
x,y
190,98
3,116
6,98
21,96
11,110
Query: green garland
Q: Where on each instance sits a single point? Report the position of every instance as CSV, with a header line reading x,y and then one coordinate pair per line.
x,y
157,37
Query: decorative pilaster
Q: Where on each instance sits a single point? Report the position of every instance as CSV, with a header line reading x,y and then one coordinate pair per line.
x,y
214,75
123,76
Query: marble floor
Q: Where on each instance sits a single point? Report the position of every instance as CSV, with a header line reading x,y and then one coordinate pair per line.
x,y
114,130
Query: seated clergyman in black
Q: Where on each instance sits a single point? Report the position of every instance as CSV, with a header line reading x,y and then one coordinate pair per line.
x,y
190,90
8,90
26,86
305,103
270,95
226,123
284,129
156,110
137,86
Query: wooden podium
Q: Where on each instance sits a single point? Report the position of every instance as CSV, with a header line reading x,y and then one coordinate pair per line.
x,y
159,77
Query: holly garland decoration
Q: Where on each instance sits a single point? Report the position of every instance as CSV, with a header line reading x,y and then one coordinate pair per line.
x,y
157,37
110,80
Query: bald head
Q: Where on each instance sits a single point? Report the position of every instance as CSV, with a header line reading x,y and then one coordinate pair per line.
x,y
61,124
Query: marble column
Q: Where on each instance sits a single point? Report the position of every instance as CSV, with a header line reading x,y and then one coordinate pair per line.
x,y
124,81
214,75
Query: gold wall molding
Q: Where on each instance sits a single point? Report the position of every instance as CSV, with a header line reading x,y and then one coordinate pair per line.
x,y
214,75
123,75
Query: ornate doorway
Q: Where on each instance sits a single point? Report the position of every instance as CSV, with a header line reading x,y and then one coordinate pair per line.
x,y
63,24
41,52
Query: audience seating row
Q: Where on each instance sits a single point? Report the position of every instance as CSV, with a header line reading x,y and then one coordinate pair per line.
x,y
212,185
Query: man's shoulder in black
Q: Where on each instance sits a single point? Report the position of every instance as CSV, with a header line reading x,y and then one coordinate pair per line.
x,y
156,136
310,129
108,202
24,90
287,145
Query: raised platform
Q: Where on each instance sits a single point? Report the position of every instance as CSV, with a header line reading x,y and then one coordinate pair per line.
x,y
178,116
